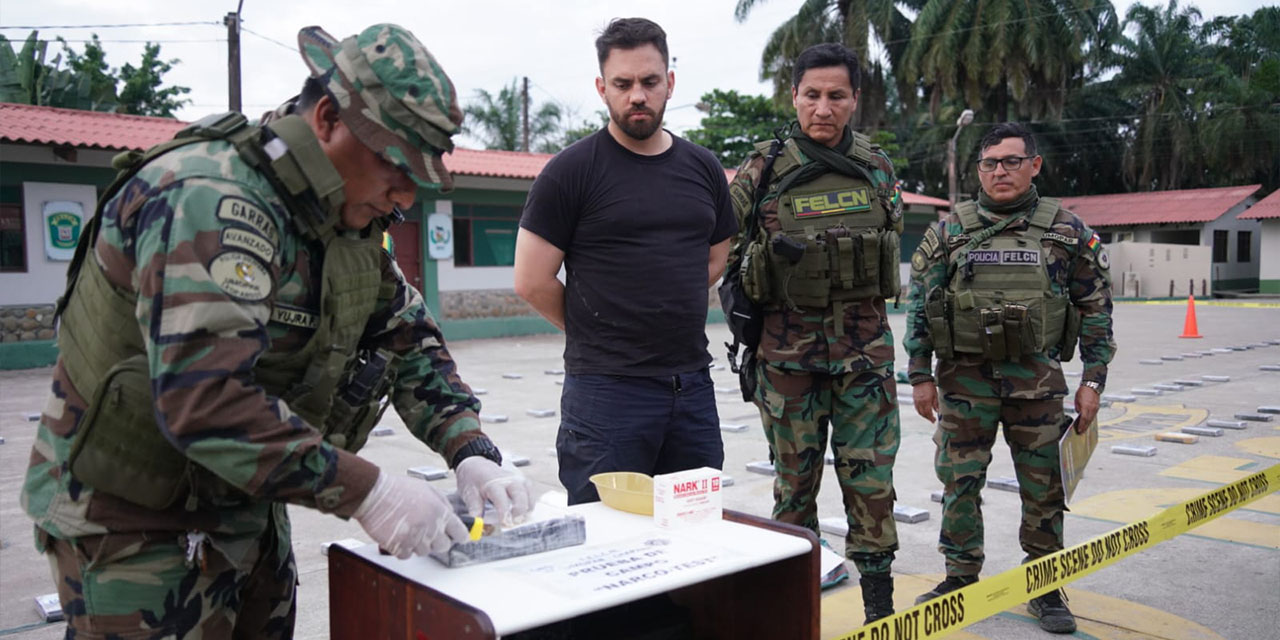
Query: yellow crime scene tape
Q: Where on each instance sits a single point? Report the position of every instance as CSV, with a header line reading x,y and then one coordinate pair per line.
x,y
989,596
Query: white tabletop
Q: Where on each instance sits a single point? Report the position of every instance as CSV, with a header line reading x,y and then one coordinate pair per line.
x,y
626,557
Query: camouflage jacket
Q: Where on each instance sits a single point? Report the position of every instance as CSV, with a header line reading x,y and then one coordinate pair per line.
x,y
1077,264
161,239
845,337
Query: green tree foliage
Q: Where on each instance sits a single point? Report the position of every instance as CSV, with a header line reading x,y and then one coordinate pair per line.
x,y
87,82
573,134
498,121
92,64
1007,58
734,122
140,92
850,22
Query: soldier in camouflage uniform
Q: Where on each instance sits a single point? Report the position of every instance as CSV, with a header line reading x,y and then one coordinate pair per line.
x,y
230,331
1001,290
821,260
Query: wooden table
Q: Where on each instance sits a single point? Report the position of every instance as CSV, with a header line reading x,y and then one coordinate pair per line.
x,y
742,577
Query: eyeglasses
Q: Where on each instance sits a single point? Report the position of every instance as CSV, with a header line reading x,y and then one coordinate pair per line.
x,y
1011,163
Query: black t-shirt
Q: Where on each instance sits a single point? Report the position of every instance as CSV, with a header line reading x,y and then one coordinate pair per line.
x,y
636,232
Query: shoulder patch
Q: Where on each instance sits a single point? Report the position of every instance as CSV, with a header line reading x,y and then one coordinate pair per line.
x,y
237,238
1104,258
929,243
741,199
1058,237
241,276
237,209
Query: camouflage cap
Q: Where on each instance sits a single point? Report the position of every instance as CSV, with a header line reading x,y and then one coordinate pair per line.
x,y
392,94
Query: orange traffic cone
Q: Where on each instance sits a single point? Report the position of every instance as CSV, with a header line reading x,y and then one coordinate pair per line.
x,y
1189,329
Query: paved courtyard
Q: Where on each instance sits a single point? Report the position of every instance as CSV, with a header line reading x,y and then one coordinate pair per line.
x,y
1219,581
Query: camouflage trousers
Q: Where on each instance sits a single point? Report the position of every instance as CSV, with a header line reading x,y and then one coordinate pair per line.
x,y
138,585
860,410
964,437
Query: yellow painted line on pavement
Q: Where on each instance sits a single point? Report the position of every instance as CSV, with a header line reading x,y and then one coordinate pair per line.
x,y
1098,616
1216,469
1127,505
1268,446
1184,417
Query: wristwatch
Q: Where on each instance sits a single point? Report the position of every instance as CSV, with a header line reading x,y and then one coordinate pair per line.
x,y
481,446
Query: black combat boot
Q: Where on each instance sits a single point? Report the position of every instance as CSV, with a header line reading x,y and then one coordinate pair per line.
x,y
946,586
1052,610
877,596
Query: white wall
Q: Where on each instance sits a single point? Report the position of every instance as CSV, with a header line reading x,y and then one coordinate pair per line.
x,y
44,279
1269,250
1151,266
1233,269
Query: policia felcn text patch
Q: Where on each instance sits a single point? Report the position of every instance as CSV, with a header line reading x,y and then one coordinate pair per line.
x,y
831,203
1005,256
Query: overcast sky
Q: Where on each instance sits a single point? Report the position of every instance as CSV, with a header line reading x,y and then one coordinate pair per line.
x,y
481,44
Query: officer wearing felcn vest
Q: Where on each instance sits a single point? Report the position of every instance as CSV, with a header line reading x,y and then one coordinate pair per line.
x,y
1001,292
231,332
820,216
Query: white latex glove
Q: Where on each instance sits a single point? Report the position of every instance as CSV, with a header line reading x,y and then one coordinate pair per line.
x,y
405,516
479,479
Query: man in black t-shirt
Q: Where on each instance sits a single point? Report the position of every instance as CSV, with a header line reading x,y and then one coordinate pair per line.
x,y
641,222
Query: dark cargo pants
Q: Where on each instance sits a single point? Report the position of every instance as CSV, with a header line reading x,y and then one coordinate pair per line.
x,y
137,585
966,432
860,410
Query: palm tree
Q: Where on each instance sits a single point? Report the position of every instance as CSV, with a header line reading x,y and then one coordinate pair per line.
x,y
497,120
849,22
1164,67
996,54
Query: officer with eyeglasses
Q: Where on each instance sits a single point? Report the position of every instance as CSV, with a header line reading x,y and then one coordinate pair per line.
x,y
1002,290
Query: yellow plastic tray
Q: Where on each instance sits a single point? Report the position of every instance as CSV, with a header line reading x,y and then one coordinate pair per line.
x,y
625,491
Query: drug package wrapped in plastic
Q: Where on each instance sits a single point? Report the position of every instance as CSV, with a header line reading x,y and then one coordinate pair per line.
x,y
521,540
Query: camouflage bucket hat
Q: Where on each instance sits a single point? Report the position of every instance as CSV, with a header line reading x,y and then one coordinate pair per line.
x,y
392,94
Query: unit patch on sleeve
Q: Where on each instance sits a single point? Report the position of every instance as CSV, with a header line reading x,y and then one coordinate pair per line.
x,y
241,276
237,238
831,203
236,209
1058,237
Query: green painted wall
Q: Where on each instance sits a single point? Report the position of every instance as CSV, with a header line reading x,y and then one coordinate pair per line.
x,y
27,355
1238,284
1269,286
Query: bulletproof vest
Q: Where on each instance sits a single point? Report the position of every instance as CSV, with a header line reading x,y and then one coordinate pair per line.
x,y
102,348
999,302
836,241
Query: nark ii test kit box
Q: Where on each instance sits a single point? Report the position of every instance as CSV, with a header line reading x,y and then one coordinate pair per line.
x,y
686,497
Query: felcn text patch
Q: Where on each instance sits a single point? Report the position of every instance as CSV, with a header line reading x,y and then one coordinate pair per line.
x,y
831,203
1004,256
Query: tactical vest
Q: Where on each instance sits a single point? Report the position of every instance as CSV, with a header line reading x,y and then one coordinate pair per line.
x,y
119,449
836,241
999,301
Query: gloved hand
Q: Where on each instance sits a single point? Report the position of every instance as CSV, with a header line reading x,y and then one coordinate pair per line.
x,y
479,479
406,516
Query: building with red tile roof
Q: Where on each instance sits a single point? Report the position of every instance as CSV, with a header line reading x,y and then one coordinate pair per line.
x,y
1158,207
1267,212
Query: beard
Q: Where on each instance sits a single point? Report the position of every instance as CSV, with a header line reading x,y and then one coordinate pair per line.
x,y
639,130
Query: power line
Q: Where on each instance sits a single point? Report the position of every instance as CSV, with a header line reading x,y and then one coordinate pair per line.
x,y
113,26
268,39
138,41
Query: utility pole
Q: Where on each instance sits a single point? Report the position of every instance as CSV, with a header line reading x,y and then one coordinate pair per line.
x,y
232,20
524,105
964,120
